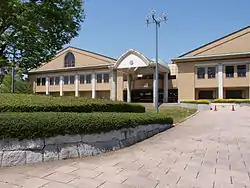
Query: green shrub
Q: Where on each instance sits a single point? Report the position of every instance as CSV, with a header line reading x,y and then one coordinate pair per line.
x,y
48,124
41,103
231,101
196,101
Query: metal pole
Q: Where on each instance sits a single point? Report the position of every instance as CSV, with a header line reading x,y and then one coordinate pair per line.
x,y
156,72
12,79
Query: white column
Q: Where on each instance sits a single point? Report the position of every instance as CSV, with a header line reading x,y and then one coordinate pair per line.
x,y
154,88
61,85
165,82
128,88
47,85
93,81
113,92
76,85
220,81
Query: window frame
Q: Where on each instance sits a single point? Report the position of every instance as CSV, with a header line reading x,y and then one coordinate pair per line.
x,y
99,79
69,60
71,80
106,80
64,82
88,81
52,81
40,81
241,75
198,74
43,81
229,75
55,80
214,73
82,79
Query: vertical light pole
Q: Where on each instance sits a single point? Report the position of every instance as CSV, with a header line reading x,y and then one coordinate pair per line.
x,y
157,21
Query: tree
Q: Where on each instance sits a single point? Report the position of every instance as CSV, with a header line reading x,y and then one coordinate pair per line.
x,y
32,31
21,85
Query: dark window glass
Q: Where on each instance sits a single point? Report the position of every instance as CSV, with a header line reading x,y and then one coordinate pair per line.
x,y
211,72
99,78
241,70
57,80
51,80
38,81
72,79
88,79
69,60
106,78
206,95
43,81
66,80
200,72
82,78
229,71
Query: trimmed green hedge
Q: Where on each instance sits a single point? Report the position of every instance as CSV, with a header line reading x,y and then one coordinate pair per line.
x,y
231,101
196,101
48,124
41,103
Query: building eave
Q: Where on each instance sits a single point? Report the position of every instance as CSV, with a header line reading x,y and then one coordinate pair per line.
x,y
212,57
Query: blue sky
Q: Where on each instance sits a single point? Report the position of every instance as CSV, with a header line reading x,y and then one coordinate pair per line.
x,y
114,26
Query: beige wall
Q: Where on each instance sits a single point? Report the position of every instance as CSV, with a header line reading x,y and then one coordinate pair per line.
x,y
82,58
120,86
234,43
103,94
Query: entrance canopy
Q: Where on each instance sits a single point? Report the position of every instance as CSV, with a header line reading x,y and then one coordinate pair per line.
x,y
132,62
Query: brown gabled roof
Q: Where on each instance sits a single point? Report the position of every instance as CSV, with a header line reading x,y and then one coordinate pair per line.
x,y
196,49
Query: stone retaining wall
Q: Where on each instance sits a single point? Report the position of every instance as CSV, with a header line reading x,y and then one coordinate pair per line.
x,y
15,152
200,107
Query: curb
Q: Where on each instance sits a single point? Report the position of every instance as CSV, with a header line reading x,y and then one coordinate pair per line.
x,y
189,117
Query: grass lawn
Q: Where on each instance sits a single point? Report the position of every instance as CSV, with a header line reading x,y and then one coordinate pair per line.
x,y
177,113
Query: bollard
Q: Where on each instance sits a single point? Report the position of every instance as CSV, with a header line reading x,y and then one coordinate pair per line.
x,y
233,108
215,108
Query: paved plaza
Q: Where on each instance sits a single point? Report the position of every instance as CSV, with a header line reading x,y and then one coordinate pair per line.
x,y
210,150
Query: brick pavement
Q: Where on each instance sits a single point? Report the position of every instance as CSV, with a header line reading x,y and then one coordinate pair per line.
x,y
211,150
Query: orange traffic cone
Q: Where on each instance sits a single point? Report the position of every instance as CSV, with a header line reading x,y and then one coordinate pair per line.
x,y
233,108
215,108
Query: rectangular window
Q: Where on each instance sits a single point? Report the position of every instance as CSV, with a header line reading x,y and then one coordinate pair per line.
x,y
43,81
241,70
88,79
57,80
211,72
229,71
72,79
38,81
51,80
66,80
200,72
82,78
106,77
99,78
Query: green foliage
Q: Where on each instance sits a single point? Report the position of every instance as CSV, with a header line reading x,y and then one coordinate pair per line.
x,y
196,101
231,101
42,103
21,86
32,31
48,124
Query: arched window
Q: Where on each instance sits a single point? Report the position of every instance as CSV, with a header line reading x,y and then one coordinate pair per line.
x,y
69,60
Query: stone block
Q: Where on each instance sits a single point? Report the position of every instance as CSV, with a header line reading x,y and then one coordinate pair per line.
x,y
152,132
50,153
90,138
4,144
86,150
33,157
164,127
12,158
105,146
67,139
34,144
141,136
127,142
67,151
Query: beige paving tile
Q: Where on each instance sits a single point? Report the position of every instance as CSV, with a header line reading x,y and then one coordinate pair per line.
x,y
86,182
7,185
65,169
115,178
57,185
60,177
115,185
140,182
32,182
86,173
